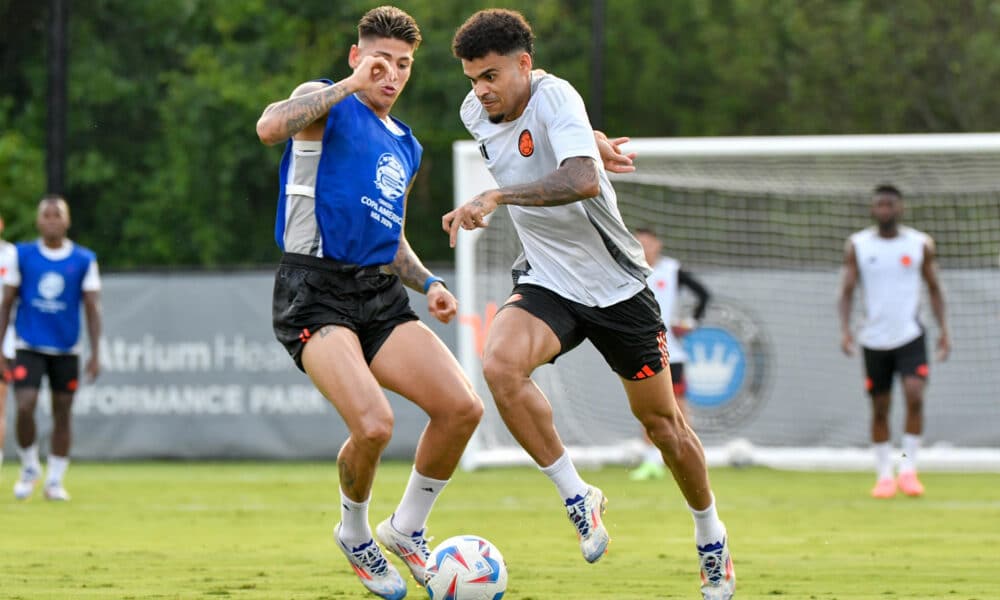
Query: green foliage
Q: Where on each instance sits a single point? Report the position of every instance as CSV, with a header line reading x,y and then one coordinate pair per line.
x,y
164,166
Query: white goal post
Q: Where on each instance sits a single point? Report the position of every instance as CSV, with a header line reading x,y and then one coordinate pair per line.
x,y
762,222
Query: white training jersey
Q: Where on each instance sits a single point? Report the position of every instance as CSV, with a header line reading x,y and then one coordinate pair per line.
x,y
582,250
666,287
8,261
890,272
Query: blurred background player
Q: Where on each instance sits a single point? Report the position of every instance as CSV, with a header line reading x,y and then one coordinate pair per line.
x,y
581,276
8,258
666,281
50,278
890,260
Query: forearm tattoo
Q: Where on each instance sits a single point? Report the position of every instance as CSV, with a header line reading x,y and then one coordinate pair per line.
x,y
296,113
408,267
563,186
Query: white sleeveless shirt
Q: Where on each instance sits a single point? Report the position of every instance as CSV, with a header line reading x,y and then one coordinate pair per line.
x,y
890,272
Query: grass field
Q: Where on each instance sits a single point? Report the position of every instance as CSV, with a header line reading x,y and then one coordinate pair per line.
x,y
262,531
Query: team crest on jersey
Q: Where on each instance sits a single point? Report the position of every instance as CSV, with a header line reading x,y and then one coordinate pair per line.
x,y
51,285
906,260
390,177
525,144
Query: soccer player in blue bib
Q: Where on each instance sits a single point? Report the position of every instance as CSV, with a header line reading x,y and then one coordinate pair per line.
x,y
50,279
340,307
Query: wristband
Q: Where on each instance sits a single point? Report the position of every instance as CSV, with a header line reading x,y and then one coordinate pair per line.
x,y
431,281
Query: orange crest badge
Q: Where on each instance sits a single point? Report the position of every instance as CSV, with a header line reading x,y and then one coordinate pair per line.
x,y
906,260
526,144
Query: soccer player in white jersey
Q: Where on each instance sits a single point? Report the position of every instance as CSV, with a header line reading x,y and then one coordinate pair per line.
x,y
890,260
8,258
666,281
51,278
581,276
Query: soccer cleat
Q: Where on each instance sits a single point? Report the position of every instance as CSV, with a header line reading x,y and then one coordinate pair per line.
x,y
884,488
585,513
56,492
910,485
25,485
647,471
372,568
412,549
718,578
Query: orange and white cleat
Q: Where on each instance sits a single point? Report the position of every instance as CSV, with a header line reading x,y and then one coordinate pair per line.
x,y
884,488
718,577
372,568
909,484
586,512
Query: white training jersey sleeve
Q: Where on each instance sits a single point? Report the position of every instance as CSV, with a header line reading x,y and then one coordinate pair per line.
x,y
890,271
92,280
8,264
582,250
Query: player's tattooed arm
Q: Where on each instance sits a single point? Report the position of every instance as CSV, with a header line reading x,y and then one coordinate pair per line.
x,y
576,179
281,120
407,266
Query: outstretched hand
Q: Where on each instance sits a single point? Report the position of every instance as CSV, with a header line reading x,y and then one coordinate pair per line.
x,y
470,215
615,161
944,346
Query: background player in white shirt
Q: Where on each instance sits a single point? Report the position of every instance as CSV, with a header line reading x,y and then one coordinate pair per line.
x,y
666,281
582,275
890,260
8,257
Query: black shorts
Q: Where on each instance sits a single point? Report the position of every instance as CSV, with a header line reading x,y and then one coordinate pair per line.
x,y
63,371
909,360
677,376
311,292
630,335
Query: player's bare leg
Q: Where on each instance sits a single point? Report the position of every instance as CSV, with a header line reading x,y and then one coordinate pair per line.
x,y
653,403
27,449
62,434
913,391
414,363
885,482
517,344
334,361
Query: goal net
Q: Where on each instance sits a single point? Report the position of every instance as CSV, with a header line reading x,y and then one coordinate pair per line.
x,y
762,223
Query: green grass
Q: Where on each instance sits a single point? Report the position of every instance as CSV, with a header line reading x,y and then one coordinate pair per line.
x,y
262,531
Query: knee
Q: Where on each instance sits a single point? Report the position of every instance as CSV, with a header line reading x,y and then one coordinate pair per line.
x,y
374,432
502,375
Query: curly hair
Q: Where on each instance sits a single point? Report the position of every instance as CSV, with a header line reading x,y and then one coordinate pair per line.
x,y
391,23
494,30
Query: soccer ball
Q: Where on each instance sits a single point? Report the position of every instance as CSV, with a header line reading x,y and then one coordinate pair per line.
x,y
466,567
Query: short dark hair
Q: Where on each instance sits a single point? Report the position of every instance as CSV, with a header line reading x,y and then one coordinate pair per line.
x,y
391,23
887,188
493,30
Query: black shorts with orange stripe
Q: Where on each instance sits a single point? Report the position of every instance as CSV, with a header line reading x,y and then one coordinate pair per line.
x,y
629,335
909,360
63,370
310,292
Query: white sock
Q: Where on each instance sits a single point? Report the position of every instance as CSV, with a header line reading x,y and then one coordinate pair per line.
x,y
708,529
883,459
651,454
418,499
1,458
57,468
908,463
354,528
567,480
29,457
